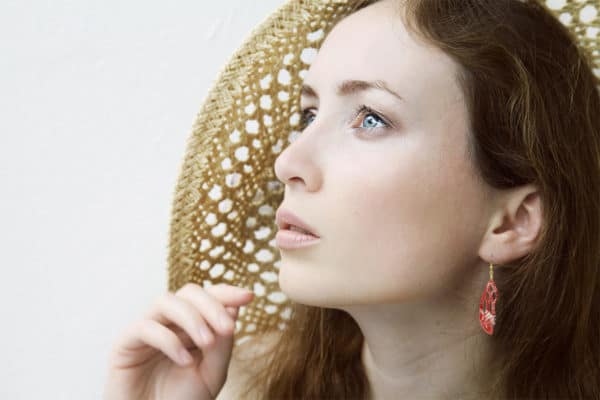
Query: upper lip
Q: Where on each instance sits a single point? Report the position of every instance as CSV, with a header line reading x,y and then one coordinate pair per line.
x,y
285,218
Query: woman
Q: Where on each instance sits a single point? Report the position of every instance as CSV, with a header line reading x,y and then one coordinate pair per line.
x,y
441,138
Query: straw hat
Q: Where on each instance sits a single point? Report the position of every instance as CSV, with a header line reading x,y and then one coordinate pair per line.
x,y
223,216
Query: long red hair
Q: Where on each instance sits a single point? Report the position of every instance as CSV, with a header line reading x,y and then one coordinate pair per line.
x,y
534,118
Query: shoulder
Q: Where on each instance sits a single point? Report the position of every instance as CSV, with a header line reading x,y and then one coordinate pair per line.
x,y
242,356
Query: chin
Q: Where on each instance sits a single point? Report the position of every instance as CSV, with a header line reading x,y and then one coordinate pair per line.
x,y
309,288
301,284
290,283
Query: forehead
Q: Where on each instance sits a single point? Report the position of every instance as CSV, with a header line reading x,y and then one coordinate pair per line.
x,y
373,44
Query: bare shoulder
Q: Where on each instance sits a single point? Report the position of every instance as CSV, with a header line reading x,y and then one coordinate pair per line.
x,y
237,374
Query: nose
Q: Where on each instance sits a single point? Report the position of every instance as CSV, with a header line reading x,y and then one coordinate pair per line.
x,y
298,164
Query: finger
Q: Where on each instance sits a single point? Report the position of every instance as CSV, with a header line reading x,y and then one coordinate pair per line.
x,y
172,309
156,335
228,295
187,341
219,356
211,303
183,336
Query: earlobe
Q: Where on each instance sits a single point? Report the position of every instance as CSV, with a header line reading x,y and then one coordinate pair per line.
x,y
514,226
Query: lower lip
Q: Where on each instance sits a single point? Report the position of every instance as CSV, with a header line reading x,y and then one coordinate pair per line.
x,y
287,239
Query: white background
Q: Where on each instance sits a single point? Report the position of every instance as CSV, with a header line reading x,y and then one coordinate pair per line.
x,y
97,99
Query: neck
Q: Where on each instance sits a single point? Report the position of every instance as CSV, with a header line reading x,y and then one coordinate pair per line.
x,y
450,372
433,349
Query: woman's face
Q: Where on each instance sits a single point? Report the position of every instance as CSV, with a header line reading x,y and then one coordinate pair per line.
x,y
390,191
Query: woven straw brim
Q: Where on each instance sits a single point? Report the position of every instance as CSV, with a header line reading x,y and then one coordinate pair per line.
x,y
223,215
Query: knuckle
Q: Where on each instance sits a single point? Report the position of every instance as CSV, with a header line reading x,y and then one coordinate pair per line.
x,y
159,305
188,287
145,329
134,328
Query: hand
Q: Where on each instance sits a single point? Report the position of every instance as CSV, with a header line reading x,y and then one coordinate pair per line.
x,y
147,360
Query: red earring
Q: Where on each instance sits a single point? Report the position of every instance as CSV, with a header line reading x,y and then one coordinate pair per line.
x,y
487,305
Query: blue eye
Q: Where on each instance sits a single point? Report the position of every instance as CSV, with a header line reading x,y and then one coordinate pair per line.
x,y
368,114
371,118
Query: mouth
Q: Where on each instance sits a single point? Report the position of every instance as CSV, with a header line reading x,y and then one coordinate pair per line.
x,y
293,237
288,221
295,228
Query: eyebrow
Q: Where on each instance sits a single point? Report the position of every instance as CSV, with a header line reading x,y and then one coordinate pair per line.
x,y
352,86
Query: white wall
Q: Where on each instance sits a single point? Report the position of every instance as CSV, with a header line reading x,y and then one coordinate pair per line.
x,y
97,99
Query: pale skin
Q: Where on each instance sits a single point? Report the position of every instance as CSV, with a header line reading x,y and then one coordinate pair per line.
x,y
407,230
146,361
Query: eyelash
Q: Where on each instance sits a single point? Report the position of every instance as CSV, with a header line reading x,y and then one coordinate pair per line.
x,y
362,109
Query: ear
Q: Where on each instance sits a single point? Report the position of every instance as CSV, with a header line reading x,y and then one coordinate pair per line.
x,y
514,226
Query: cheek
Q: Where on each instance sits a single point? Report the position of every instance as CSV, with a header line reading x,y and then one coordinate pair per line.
x,y
404,221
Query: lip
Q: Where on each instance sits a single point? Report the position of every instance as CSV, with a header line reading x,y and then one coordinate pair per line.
x,y
287,239
285,218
